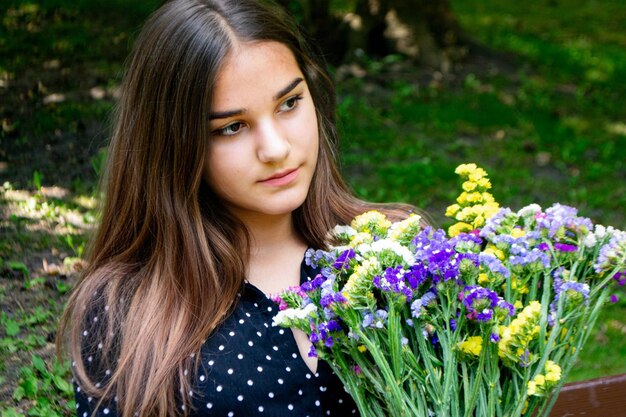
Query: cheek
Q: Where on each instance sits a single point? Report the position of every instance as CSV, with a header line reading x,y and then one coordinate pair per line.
x,y
217,173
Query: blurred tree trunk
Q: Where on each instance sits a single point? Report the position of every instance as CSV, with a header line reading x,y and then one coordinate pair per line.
x,y
427,31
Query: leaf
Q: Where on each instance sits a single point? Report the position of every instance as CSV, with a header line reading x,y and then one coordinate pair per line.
x,y
30,386
19,267
11,327
18,394
37,180
39,364
62,384
11,412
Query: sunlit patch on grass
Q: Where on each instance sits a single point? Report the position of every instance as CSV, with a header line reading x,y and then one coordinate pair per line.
x,y
618,128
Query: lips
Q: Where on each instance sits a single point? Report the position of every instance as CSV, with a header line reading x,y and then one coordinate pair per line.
x,y
281,178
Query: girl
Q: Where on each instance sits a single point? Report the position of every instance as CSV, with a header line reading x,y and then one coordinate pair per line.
x,y
221,173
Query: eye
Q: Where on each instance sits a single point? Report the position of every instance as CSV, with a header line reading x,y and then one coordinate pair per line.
x,y
290,104
229,130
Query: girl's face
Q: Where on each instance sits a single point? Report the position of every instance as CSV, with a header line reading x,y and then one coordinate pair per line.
x,y
264,137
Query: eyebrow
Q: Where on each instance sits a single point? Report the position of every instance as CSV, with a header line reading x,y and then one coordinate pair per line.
x,y
230,113
287,89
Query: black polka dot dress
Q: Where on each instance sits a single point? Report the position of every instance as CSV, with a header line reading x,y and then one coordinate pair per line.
x,y
251,368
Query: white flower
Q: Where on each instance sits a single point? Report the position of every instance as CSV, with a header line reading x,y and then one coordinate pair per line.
x,y
344,230
395,247
529,210
600,231
285,318
590,241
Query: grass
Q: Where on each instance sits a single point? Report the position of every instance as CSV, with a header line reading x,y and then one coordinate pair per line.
x,y
546,119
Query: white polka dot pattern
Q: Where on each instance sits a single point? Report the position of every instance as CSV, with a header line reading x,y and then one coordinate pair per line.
x,y
248,368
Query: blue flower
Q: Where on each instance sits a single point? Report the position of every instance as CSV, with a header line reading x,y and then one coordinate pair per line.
x,y
417,306
493,264
312,257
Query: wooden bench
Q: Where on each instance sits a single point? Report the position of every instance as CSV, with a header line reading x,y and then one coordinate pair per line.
x,y
602,397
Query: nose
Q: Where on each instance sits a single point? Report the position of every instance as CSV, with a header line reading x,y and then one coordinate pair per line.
x,y
272,142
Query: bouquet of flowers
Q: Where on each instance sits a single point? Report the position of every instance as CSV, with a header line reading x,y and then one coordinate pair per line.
x,y
485,320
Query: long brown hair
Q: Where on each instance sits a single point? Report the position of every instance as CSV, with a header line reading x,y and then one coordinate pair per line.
x,y
168,260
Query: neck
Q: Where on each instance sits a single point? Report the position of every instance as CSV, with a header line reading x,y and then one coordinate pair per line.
x,y
276,250
271,235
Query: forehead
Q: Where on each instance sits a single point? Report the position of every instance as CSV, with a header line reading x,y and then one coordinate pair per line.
x,y
253,70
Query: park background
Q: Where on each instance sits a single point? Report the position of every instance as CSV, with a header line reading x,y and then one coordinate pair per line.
x,y
532,91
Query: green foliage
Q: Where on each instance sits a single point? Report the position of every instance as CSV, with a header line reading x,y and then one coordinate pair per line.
x,y
46,386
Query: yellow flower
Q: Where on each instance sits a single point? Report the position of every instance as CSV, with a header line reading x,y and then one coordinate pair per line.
x,y
540,380
361,238
553,372
465,169
473,345
405,230
371,222
362,348
490,208
477,175
469,186
542,384
360,282
517,336
459,227
483,278
494,251
474,197
484,183
479,221
452,210
517,232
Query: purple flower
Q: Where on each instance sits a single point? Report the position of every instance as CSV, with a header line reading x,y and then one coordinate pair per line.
x,y
333,326
495,338
417,275
564,247
343,260
393,281
312,352
327,272
326,300
614,298
576,293
524,359
313,284
521,256
558,218
497,222
466,242
453,325
480,303
611,254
